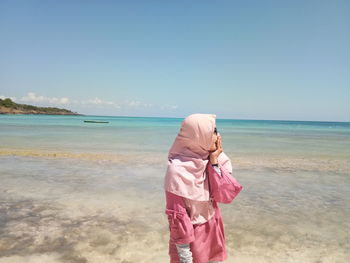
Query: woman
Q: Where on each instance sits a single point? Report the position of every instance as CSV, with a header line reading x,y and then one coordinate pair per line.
x,y
199,174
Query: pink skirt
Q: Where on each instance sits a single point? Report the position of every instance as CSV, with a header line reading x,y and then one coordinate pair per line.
x,y
209,243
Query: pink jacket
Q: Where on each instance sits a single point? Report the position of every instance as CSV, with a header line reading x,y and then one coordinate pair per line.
x,y
223,188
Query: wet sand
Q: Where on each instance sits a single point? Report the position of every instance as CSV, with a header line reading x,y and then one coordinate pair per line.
x,y
65,209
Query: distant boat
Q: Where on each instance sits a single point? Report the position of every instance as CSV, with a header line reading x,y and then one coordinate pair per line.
x,y
97,121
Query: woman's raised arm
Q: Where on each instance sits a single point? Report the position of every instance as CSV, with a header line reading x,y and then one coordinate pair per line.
x,y
223,188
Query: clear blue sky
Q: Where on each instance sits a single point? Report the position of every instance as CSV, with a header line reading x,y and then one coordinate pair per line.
x,y
238,59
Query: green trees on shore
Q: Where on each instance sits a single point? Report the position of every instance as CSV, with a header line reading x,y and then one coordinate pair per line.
x,y
8,103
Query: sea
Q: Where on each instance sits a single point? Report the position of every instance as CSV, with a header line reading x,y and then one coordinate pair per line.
x,y
76,192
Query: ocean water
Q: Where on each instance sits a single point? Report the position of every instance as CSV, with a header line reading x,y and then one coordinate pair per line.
x,y
92,192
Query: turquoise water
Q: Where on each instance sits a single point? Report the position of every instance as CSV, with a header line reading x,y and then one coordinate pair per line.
x,y
70,133
85,192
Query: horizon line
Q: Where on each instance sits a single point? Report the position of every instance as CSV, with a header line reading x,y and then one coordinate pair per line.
x,y
216,118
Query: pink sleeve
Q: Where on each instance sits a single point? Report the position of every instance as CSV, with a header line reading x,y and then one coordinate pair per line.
x,y
180,226
223,188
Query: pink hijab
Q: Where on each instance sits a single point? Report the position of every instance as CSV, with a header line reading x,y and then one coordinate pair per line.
x,y
188,158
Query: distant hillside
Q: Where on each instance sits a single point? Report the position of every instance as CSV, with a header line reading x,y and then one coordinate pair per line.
x,y
7,106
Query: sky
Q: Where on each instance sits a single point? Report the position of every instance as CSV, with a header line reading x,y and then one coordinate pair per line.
x,y
266,60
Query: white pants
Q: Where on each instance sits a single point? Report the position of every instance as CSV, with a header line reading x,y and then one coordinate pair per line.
x,y
185,254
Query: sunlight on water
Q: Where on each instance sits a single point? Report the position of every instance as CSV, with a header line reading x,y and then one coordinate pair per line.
x,y
100,203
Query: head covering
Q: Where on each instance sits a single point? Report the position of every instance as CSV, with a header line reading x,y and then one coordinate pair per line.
x,y
188,158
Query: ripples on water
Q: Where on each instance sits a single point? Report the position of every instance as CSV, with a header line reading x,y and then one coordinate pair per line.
x,y
69,210
69,201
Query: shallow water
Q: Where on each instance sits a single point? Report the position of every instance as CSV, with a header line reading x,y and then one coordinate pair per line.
x,y
75,193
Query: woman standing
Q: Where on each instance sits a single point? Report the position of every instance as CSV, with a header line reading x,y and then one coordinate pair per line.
x,y
199,174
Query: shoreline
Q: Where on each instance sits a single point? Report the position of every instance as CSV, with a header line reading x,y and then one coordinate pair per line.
x,y
281,164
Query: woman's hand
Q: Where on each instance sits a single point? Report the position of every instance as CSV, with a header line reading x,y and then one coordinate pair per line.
x,y
213,156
